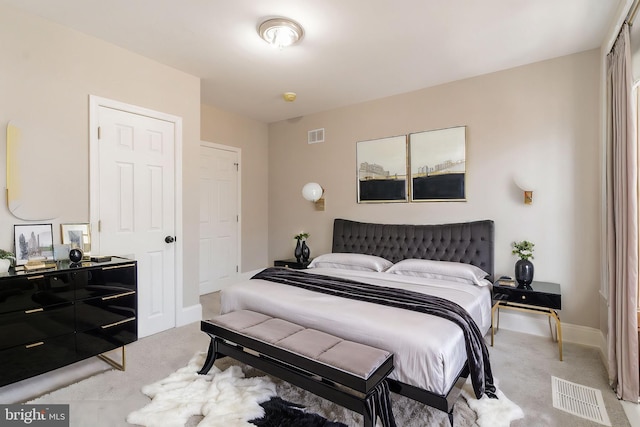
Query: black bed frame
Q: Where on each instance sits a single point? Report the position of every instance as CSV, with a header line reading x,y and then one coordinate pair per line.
x,y
468,242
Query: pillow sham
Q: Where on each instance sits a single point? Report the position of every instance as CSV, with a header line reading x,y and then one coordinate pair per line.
x,y
350,261
444,270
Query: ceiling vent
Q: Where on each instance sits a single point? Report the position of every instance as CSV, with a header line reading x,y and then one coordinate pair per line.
x,y
315,136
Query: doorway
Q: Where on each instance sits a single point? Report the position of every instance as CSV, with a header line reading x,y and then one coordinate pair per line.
x,y
219,216
135,202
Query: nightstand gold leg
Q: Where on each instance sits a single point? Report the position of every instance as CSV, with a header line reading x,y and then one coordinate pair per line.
x,y
492,327
558,330
496,325
553,331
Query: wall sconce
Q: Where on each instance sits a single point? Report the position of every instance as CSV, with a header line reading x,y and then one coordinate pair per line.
x,y
527,186
313,192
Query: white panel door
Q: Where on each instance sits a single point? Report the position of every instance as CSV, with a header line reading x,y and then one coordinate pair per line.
x,y
218,218
136,206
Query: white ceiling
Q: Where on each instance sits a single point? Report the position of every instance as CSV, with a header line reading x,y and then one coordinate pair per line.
x,y
352,51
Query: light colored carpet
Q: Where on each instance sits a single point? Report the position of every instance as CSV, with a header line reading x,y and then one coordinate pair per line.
x,y
229,395
524,364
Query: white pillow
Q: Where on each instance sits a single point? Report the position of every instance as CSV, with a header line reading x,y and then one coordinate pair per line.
x,y
444,270
349,261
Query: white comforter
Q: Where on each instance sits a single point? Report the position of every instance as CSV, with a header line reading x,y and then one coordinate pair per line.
x,y
429,351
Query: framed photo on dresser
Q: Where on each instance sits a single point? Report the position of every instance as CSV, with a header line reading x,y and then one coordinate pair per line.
x,y
33,242
77,235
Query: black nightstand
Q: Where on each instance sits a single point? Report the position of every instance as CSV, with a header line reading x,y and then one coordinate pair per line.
x,y
291,263
540,297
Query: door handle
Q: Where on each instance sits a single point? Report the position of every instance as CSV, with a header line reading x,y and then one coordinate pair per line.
x,y
169,239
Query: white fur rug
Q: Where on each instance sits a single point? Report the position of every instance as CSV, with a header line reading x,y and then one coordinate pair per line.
x,y
230,394
224,398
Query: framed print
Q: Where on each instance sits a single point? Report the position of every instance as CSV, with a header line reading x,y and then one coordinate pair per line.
x,y
382,170
438,164
33,242
77,236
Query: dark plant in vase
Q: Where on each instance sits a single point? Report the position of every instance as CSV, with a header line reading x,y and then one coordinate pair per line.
x,y
524,267
299,246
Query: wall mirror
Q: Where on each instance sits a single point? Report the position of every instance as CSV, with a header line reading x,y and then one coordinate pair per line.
x,y
382,170
438,164
30,192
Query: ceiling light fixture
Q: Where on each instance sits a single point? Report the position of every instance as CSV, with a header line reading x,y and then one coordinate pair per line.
x,y
280,32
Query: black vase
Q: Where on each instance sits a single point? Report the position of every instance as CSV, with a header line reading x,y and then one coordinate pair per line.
x,y
306,252
524,273
298,251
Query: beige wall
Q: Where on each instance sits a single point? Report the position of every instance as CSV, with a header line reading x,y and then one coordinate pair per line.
x,y
540,120
542,117
48,73
250,136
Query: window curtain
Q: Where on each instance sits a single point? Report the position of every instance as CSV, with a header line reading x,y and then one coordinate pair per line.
x,y
622,222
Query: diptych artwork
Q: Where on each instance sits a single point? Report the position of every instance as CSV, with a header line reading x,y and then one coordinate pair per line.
x,y
419,167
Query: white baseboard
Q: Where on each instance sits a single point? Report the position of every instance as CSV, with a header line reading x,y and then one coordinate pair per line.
x,y
539,325
189,315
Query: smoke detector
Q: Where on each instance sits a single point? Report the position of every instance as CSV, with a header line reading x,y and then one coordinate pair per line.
x,y
289,96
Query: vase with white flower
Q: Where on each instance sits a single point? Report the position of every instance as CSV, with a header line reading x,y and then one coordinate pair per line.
x,y
524,267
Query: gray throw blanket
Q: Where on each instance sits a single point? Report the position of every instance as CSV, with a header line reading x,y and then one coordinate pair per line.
x,y
477,353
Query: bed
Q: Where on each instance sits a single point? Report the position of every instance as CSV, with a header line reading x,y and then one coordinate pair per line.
x,y
429,367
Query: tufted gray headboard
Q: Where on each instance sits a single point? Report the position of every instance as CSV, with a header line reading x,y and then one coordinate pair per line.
x,y
467,242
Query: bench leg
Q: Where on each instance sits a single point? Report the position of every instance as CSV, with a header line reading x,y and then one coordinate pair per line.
x,y
370,412
378,404
451,417
212,355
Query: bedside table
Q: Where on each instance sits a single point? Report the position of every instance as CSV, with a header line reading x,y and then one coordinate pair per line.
x,y
291,263
541,297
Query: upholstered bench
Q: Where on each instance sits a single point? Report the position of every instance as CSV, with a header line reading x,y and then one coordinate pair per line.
x,y
345,372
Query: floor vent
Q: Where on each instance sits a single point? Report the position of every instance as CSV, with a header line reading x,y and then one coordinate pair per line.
x,y
579,400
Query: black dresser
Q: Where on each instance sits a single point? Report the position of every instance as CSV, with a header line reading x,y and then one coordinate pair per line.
x,y
52,318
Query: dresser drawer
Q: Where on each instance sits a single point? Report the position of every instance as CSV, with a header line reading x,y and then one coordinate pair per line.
x,y
35,358
22,327
108,280
32,291
291,263
94,313
524,296
107,337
